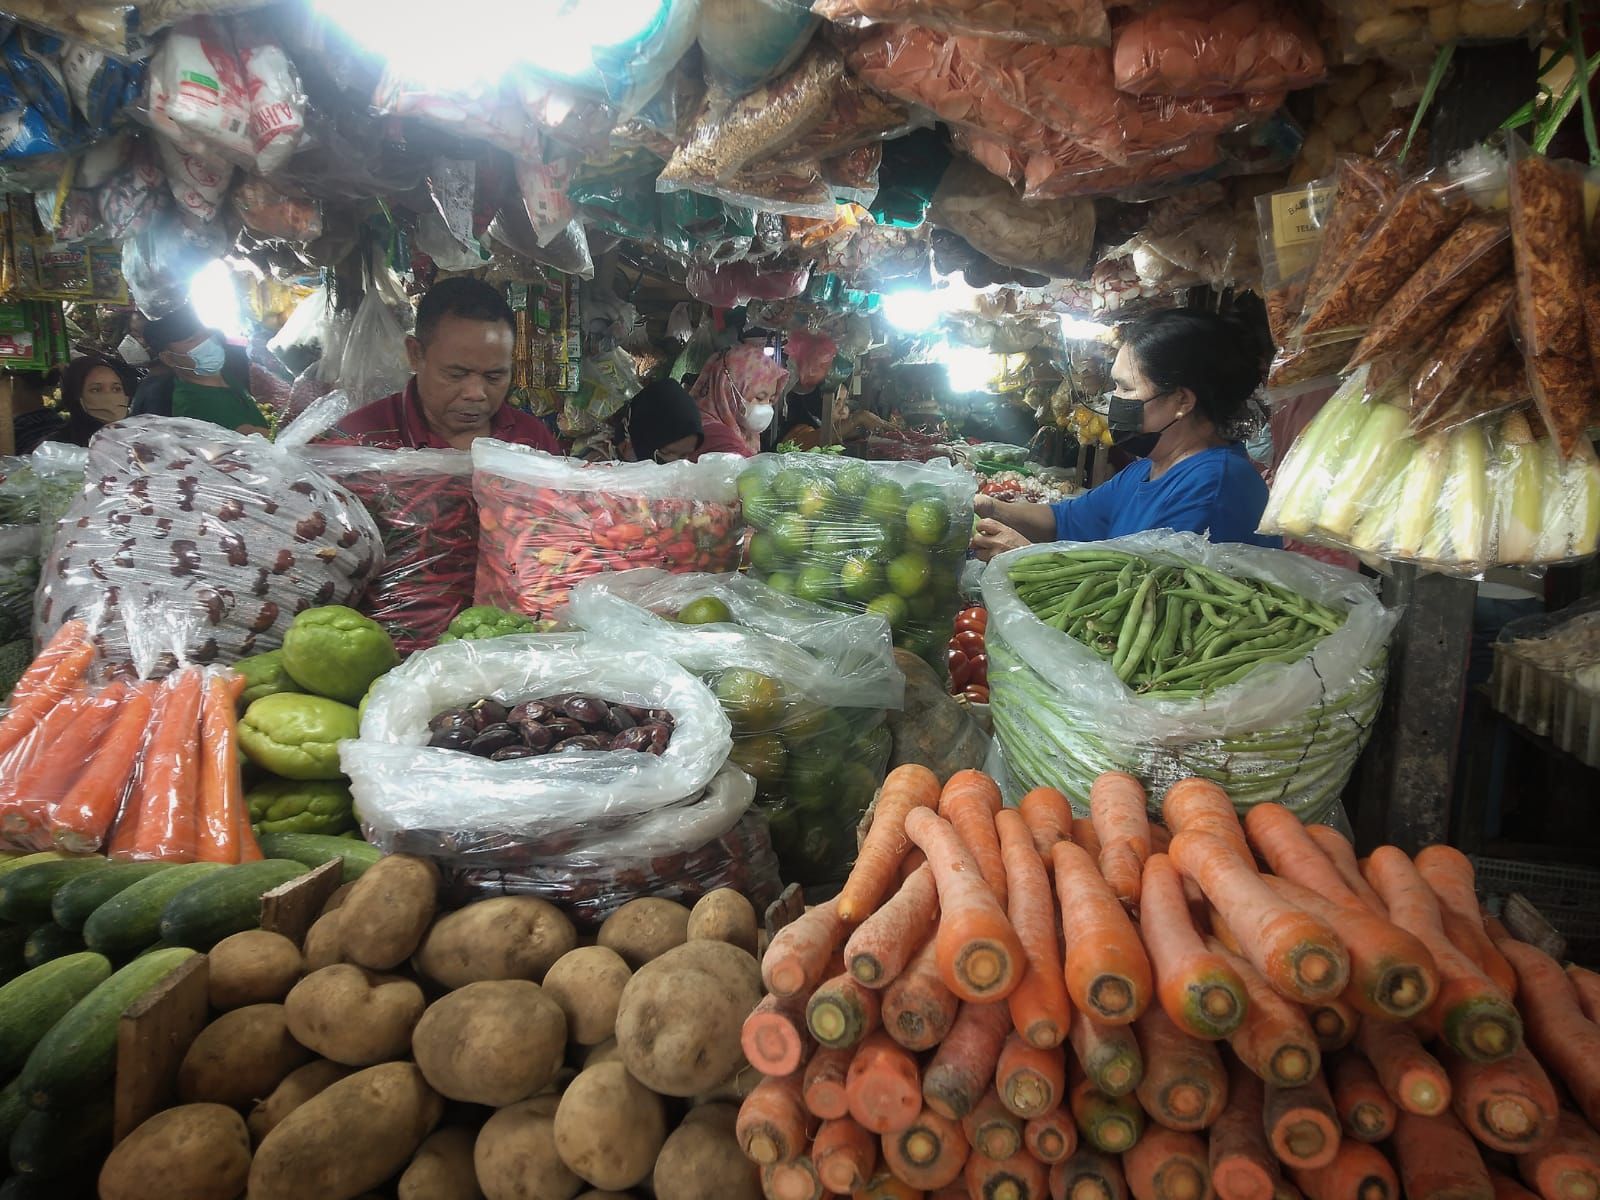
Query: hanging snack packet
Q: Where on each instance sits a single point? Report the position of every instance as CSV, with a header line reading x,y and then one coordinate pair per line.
x,y
1476,337
1547,235
1214,47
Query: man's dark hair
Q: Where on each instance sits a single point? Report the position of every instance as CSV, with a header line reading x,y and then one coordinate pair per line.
x,y
179,325
465,297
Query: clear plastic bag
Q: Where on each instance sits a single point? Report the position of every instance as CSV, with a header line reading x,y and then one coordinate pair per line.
x,y
1054,238
58,472
270,212
236,533
161,260
731,284
1216,47
1286,732
198,94
19,577
406,789
277,105
746,42
198,180
1051,22
374,363
547,523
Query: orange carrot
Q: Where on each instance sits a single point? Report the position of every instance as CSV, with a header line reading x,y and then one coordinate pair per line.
x,y
929,1153
1031,1081
1117,808
1343,857
1507,1188
169,800
980,957
1454,882
1108,1123
1472,1015
798,957
1436,1158
1107,970
1083,833
1334,1022
1088,1175
1040,1009
1241,1161
221,787
42,745
124,832
970,802
1108,1054
844,1155
963,1069
773,1124
1166,1164
774,1036
793,1180
918,1009
83,820
822,1085
841,1012
1184,1085
992,1129
1366,1111
882,1085
884,1186
1275,1040
907,787
1049,817
1358,1172
1053,1137
1302,1126
1507,1105
1412,1077
1197,805
49,776
1558,1034
881,945
1392,975
1567,1167
908,865
57,670
1297,953
1289,849
1020,1177
1202,994
1586,984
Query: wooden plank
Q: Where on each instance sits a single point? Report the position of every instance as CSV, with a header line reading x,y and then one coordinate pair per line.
x,y
1528,924
152,1037
291,908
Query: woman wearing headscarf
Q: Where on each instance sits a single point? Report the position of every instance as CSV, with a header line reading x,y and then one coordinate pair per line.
x,y
665,425
737,394
811,355
94,393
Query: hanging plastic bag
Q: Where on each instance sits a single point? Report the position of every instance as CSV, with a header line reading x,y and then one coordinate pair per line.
x,y
33,61
739,283
198,95
161,260
272,213
198,181
19,576
1046,21
1214,47
626,73
746,42
128,199
277,107
1051,237
374,362
100,85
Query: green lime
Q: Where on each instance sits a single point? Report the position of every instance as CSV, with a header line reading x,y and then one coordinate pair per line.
x,y
857,783
942,582
927,521
811,773
924,606
886,502
788,483
762,757
909,573
816,584
861,576
704,610
804,721
761,511
751,485
753,701
924,491
874,745
891,608
791,534
854,480
781,581
765,554
817,500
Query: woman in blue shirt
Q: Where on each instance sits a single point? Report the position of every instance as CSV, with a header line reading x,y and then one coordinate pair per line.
x,y
1182,382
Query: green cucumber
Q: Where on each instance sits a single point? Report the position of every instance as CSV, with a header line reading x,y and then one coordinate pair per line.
x,y
77,1058
81,1184
224,903
28,860
77,898
32,1003
25,894
49,942
13,1107
314,849
131,920
48,1144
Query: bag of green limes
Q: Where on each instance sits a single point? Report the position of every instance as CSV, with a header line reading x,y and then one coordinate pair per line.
x,y
805,688
884,538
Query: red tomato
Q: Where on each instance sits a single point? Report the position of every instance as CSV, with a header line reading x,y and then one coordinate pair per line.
x,y
973,618
960,669
976,693
978,666
969,642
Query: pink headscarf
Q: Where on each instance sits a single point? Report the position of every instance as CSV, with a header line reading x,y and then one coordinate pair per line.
x,y
812,355
735,378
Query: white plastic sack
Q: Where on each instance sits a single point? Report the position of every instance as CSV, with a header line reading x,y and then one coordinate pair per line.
x,y
373,364
404,787
198,94
277,106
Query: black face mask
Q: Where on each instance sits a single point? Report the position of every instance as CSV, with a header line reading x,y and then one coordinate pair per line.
x,y
1125,419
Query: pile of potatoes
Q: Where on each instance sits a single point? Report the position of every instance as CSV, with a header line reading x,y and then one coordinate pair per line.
x,y
479,1054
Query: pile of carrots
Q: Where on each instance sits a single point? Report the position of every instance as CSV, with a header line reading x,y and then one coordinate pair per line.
x,y
1199,1007
140,770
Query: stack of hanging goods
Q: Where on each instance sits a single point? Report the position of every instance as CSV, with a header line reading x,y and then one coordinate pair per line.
x,y
1203,1007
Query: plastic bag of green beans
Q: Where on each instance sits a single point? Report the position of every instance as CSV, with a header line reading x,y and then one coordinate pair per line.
x,y
1165,655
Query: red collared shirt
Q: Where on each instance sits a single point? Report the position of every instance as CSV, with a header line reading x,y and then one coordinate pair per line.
x,y
396,423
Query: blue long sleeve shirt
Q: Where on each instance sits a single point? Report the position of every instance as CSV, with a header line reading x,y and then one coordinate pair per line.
x,y
1216,493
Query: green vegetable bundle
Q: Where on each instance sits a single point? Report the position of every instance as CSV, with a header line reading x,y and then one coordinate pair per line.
x,y
1166,656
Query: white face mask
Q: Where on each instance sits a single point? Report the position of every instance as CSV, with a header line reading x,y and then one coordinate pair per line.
x,y
132,352
757,417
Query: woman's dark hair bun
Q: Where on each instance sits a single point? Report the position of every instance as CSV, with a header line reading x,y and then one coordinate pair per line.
x,y
1214,357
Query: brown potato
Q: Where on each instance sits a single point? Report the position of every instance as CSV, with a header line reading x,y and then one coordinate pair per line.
x,y
602,1194
354,1016
494,1042
701,1160
606,1051
515,1155
724,916
298,1086
645,929
240,1057
610,1127
336,901
384,917
253,967
322,941
508,937
442,1169
679,1021
587,983
193,1152
348,1139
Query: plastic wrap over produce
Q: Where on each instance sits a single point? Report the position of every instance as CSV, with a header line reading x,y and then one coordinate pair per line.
x,y
1049,21
453,805
1214,47
1280,715
238,533
19,577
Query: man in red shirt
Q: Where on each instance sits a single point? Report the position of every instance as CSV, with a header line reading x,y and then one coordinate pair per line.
x,y
460,357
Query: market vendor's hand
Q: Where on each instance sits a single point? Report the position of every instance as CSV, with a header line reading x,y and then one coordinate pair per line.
x,y
994,538
985,505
